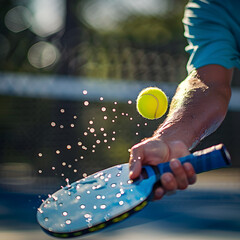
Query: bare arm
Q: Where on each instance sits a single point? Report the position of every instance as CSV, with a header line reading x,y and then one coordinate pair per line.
x,y
199,105
197,109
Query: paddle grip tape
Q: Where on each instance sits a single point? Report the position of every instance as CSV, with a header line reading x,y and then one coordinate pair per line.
x,y
202,161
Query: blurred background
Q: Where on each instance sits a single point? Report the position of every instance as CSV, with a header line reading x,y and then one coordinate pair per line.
x,y
70,72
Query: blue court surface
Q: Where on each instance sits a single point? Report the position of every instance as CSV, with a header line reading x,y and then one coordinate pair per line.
x,y
208,210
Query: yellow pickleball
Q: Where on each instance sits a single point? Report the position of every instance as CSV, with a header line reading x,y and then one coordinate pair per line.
x,y
152,103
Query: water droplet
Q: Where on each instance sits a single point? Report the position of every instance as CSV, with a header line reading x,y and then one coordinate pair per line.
x,y
103,206
75,117
86,103
85,133
121,203
94,207
67,182
113,185
130,181
79,143
105,134
57,151
62,110
113,139
72,125
92,130
84,175
102,129
53,168
46,219
85,92
137,133
78,197
129,102
107,217
103,197
145,124
68,221
69,147
54,198
53,124
65,213
118,195
114,132
105,140
40,154
121,191
64,164
119,167
98,141
114,110
88,192
75,170
82,206
60,204
87,215
101,98
91,122
61,126
103,109
40,210
118,174
105,117
98,197
39,171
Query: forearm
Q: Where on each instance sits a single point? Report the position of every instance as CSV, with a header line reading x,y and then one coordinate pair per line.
x,y
198,107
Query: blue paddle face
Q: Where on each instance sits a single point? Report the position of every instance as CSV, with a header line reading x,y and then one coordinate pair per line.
x,y
99,198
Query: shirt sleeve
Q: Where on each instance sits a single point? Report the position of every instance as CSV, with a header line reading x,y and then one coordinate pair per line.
x,y
210,31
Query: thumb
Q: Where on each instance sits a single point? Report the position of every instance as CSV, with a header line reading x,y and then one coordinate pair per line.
x,y
135,162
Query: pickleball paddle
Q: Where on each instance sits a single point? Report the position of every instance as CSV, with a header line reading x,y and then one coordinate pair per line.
x,y
109,196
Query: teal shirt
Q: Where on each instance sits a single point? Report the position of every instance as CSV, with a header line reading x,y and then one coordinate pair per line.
x,y
212,28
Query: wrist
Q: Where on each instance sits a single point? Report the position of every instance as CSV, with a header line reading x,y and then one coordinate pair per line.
x,y
171,132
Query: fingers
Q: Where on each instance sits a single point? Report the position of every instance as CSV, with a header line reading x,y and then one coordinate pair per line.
x,y
151,152
180,178
191,175
135,161
180,174
159,193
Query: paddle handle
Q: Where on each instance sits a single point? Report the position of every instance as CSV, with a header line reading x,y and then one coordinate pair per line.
x,y
205,160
